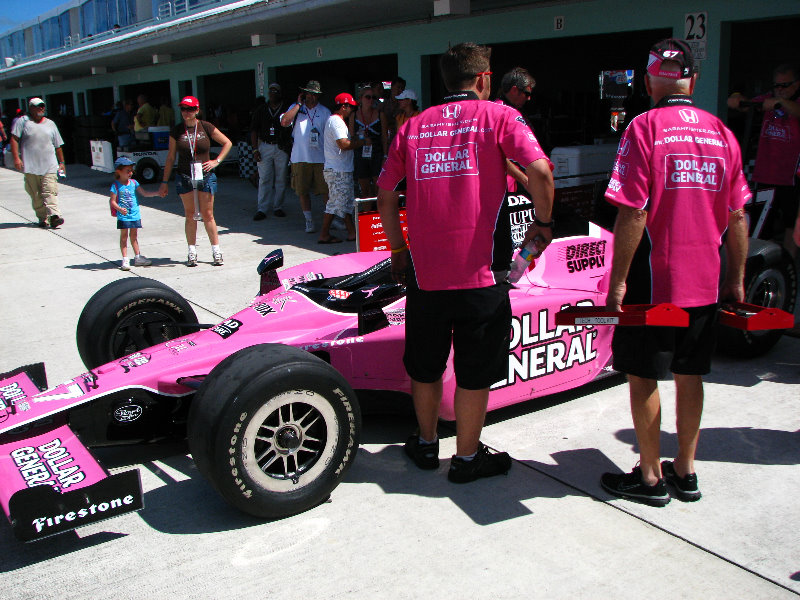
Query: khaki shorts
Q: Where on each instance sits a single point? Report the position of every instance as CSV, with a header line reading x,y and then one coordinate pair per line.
x,y
307,177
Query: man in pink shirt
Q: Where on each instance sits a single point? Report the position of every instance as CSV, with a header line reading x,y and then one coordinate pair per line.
x,y
678,184
452,158
778,157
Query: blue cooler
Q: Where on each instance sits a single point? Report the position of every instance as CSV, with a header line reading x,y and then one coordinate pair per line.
x,y
160,137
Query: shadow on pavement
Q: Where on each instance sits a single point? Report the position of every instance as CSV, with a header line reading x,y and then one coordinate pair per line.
x,y
18,555
744,445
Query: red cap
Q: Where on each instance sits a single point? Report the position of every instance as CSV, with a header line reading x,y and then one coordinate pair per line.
x,y
345,98
190,101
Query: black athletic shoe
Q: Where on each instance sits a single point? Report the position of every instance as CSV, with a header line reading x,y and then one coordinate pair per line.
x,y
259,216
425,456
485,464
56,221
279,212
685,487
630,485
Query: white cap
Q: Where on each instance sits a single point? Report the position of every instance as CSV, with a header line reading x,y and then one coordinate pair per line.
x,y
406,95
36,102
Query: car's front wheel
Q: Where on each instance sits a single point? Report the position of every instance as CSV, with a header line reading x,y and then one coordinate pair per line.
x,y
274,429
129,315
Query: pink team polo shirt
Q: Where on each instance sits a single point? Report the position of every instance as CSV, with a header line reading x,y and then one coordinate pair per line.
x,y
778,147
453,159
684,167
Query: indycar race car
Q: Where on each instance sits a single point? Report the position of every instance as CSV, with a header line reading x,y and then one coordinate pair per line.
x,y
269,398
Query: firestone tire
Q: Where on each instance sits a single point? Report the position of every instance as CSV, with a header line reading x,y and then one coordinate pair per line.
x,y
274,429
772,285
129,315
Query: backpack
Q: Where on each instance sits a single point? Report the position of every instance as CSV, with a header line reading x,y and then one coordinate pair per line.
x,y
114,210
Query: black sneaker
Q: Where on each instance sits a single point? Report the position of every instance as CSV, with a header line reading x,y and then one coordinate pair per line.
x,y
43,224
630,485
425,456
56,221
685,487
485,464
259,216
279,212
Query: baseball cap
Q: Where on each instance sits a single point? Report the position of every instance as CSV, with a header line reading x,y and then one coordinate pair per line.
x,y
345,98
406,95
671,49
190,101
274,86
36,102
123,161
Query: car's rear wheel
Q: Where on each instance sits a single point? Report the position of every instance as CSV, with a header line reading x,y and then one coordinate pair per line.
x,y
129,315
274,429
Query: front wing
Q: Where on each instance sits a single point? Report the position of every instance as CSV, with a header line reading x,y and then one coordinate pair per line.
x,y
49,481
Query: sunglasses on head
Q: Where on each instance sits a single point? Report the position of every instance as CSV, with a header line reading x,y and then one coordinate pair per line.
x,y
784,85
188,108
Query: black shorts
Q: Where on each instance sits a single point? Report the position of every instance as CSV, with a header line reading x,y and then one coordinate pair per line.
x,y
476,322
655,352
367,168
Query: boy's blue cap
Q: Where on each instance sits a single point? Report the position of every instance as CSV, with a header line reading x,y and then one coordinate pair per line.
x,y
123,161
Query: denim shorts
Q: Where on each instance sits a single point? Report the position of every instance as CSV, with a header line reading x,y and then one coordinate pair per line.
x,y
129,224
209,184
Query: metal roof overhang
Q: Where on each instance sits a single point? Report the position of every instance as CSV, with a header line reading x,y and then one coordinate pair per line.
x,y
227,28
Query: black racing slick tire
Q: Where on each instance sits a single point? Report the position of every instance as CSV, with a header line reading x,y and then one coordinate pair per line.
x,y
274,429
129,315
772,284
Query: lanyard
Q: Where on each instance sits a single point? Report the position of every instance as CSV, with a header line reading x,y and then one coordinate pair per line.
x,y
311,117
192,142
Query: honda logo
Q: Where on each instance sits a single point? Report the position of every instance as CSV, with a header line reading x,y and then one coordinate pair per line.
x,y
688,115
451,111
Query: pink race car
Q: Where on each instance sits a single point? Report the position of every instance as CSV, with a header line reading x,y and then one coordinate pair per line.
x,y
269,398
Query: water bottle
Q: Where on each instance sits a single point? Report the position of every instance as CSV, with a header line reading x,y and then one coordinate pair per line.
x,y
523,260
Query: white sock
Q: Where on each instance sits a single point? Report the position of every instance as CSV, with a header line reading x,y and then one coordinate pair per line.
x,y
215,249
426,442
138,256
469,457
308,216
192,249
125,260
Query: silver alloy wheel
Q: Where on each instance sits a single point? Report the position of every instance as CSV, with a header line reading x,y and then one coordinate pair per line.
x,y
290,440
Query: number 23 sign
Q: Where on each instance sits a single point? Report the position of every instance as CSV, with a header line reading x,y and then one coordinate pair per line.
x,y
696,33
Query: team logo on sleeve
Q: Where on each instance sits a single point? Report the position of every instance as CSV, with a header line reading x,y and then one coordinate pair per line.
x,y
624,147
